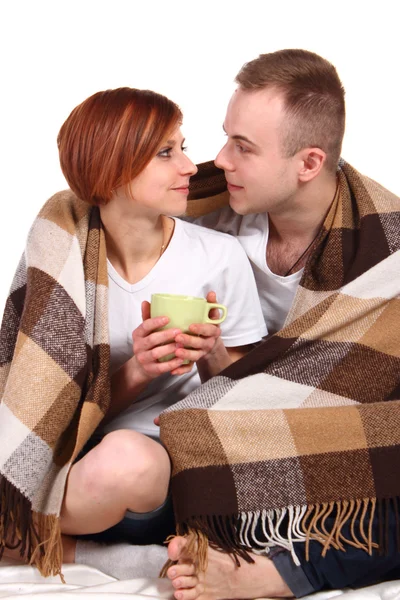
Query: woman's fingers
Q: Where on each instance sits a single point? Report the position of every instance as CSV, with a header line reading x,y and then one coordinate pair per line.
x,y
194,347
145,310
184,368
145,340
155,368
154,354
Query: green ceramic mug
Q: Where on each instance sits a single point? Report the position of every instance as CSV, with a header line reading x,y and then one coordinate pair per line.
x,y
183,311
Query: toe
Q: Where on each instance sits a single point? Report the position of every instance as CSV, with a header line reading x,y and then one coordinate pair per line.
x,y
185,582
176,548
181,569
189,594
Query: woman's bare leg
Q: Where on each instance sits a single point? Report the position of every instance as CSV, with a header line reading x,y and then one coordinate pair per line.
x,y
126,471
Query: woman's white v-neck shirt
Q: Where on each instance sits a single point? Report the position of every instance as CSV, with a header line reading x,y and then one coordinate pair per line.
x,y
196,261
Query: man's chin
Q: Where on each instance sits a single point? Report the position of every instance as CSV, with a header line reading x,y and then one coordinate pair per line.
x,y
239,207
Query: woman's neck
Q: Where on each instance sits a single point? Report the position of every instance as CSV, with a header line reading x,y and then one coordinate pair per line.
x,y
134,242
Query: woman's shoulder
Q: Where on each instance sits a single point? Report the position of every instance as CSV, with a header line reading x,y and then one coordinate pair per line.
x,y
63,207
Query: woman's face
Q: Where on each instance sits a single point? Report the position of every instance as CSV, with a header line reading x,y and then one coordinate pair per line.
x,y
164,183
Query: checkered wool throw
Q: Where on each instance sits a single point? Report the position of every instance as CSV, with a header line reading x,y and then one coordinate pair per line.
x,y
306,426
54,384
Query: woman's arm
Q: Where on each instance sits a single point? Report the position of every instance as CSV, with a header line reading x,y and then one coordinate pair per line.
x,y
219,358
148,346
126,385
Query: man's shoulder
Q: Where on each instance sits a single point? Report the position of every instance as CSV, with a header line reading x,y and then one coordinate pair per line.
x,y
222,219
196,230
227,221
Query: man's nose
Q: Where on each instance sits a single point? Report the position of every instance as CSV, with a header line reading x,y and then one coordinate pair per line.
x,y
222,162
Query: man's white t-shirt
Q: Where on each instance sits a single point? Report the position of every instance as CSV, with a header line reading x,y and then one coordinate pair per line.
x,y
276,292
196,261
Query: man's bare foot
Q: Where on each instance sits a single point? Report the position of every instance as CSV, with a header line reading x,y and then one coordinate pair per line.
x,y
223,580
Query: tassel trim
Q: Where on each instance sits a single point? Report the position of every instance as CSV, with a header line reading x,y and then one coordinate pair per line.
x,y
256,532
37,536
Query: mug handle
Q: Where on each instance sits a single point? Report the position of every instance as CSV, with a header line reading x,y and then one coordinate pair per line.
x,y
209,306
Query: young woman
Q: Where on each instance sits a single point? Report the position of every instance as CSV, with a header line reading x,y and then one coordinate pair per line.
x,y
123,153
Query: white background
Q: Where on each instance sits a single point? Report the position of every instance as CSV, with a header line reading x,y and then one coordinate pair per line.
x,y
55,53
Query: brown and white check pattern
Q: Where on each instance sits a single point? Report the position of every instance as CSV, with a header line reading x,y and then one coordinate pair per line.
x,y
54,381
308,424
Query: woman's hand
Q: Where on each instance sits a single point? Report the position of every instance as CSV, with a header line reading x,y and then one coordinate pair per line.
x,y
204,341
149,345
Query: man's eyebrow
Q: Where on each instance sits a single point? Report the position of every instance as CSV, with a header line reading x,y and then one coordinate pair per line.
x,y
242,138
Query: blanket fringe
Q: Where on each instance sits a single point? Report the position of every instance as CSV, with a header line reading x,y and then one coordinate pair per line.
x,y
258,531
37,536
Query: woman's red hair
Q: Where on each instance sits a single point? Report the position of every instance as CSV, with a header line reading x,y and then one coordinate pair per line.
x,y
110,138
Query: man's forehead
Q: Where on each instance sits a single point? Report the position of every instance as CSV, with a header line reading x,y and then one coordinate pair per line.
x,y
263,100
250,110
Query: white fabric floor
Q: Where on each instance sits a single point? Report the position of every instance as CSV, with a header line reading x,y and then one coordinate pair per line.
x,y
17,580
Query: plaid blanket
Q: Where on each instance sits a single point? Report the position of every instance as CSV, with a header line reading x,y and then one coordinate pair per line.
x,y
306,427
54,383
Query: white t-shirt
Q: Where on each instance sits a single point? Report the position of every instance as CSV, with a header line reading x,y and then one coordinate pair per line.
x,y
196,261
276,292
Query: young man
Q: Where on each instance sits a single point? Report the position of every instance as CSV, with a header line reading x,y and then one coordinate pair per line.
x,y
284,125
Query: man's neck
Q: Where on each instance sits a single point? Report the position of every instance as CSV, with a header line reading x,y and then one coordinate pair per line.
x,y
301,221
292,233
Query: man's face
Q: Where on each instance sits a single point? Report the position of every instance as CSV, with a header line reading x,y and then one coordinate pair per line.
x,y
260,178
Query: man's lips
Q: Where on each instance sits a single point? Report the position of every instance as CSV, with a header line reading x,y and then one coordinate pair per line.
x,y
234,188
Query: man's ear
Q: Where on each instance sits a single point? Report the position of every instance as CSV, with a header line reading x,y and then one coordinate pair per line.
x,y
312,161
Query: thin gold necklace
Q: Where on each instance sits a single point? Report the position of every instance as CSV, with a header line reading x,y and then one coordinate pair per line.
x,y
166,234
162,248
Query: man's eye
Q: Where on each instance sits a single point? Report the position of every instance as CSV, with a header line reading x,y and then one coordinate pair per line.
x,y
165,152
241,148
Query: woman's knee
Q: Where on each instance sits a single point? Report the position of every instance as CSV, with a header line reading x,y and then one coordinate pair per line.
x,y
129,461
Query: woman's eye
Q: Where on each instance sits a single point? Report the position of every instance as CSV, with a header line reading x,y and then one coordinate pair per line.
x,y
165,153
184,148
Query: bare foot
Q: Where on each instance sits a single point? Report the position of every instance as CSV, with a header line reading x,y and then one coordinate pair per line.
x,y
69,547
14,554
223,580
